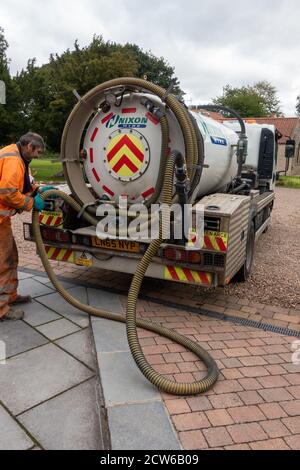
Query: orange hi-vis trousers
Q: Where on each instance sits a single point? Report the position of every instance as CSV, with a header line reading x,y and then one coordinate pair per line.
x,y
8,266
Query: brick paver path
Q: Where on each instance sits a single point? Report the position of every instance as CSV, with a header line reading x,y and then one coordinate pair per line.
x,y
256,402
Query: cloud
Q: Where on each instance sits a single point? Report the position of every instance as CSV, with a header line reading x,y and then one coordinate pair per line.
x,y
210,43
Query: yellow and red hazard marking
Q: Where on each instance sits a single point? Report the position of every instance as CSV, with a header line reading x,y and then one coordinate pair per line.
x,y
59,254
215,241
125,155
51,218
174,273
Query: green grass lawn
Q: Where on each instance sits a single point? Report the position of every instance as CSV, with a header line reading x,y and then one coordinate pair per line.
x,y
45,170
289,181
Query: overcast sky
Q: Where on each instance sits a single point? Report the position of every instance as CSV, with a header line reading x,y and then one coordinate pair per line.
x,y
210,43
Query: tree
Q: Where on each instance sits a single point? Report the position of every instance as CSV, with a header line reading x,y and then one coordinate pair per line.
x,y
298,105
156,69
40,98
9,117
268,94
259,100
46,92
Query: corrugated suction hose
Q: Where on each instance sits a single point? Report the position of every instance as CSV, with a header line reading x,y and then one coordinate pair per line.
x,y
161,382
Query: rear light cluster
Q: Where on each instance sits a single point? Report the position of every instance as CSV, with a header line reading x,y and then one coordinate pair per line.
x,y
55,235
182,256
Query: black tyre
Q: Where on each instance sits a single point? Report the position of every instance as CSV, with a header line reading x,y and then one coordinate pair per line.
x,y
243,274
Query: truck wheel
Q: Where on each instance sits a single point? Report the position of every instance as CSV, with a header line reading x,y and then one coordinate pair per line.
x,y
243,274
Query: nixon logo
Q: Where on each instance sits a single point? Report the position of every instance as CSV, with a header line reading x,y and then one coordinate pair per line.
x,y
126,123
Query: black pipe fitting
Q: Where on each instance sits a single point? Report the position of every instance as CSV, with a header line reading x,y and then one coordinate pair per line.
x,y
152,108
182,184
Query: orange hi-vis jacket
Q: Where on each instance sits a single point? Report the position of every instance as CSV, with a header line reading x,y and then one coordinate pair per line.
x,y
12,171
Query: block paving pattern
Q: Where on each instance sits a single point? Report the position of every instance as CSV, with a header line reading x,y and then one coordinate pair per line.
x,y
256,402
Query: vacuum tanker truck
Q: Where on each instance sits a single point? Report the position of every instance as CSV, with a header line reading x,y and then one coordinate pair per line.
x,y
116,151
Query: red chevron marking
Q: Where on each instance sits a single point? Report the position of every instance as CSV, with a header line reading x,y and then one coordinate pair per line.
x,y
124,160
125,141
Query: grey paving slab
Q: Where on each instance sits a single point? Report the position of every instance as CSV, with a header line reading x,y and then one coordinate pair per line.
x,y
69,421
19,337
35,376
45,280
12,436
32,287
109,336
22,275
57,303
37,314
141,427
65,284
122,381
81,345
42,279
58,329
104,300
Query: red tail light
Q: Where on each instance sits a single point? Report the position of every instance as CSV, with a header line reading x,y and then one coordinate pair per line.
x,y
55,235
182,256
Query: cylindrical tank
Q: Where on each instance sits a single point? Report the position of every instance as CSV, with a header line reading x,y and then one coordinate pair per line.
x,y
123,151
123,148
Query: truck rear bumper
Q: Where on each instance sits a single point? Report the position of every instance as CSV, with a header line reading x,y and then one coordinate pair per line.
x,y
129,265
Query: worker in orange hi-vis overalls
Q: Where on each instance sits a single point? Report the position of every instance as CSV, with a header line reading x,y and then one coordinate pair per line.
x,y
17,194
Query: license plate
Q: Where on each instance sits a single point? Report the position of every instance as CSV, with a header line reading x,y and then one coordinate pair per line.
x,y
119,245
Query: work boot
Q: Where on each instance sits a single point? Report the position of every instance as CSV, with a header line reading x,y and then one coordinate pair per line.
x,y
12,314
21,299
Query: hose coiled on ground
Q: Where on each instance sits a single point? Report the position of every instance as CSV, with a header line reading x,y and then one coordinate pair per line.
x,y
72,133
132,323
